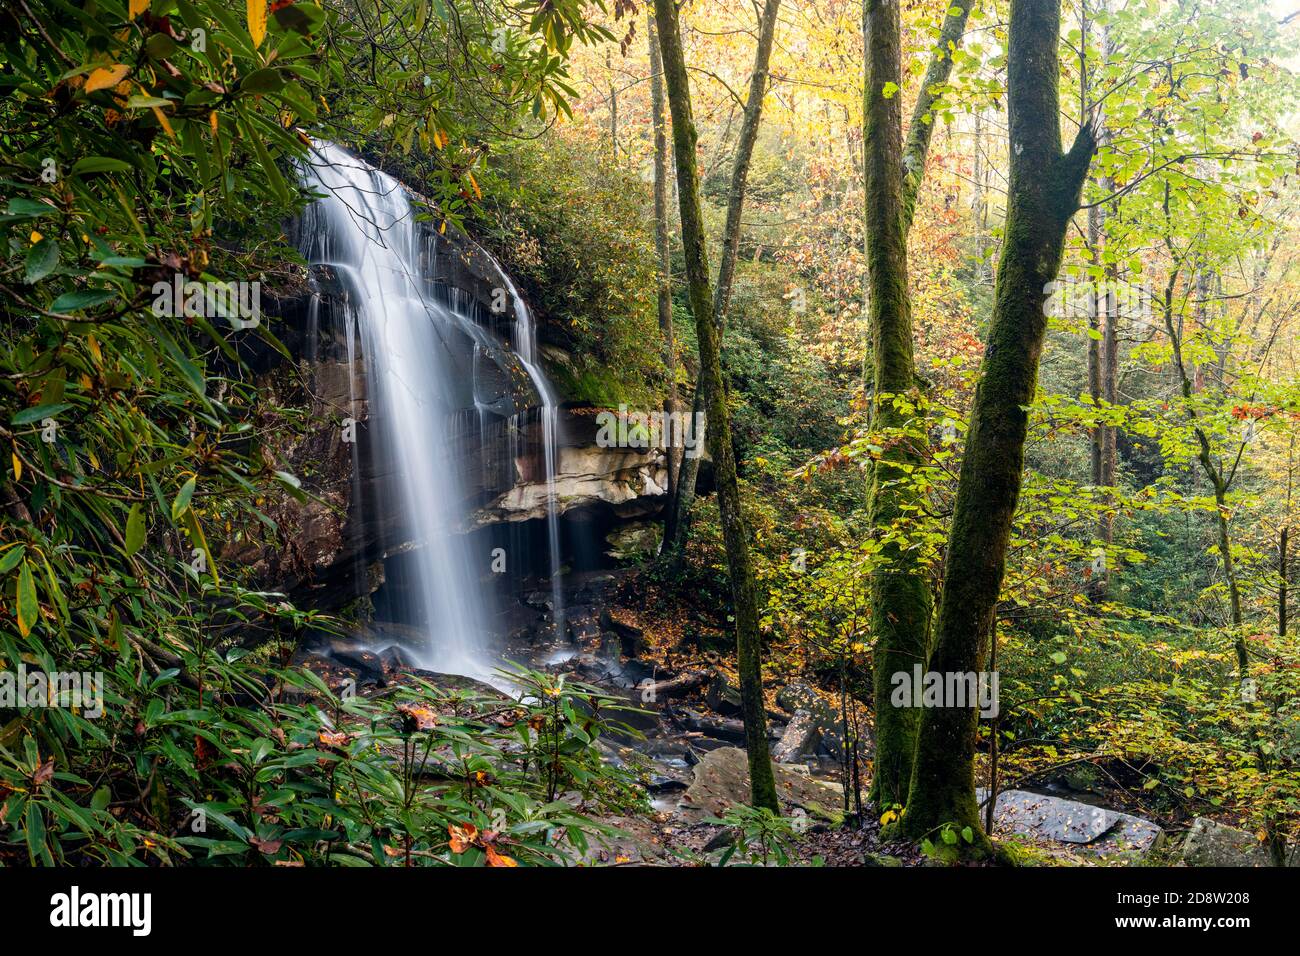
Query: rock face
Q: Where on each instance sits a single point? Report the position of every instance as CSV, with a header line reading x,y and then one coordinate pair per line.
x,y
1212,844
331,546
631,482
1094,830
722,780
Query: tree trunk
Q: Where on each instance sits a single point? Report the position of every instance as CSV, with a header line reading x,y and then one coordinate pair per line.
x,y
1281,582
900,597
675,526
900,593
674,452
1043,193
735,535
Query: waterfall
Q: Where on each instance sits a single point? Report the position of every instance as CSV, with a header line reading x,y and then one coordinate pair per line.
x,y
365,229
526,350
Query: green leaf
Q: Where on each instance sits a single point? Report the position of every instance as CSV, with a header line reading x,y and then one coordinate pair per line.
x,y
82,299
266,80
41,260
182,502
29,609
29,208
38,412
134,529
101,164
11,558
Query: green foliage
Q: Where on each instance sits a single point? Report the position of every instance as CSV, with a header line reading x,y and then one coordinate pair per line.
x,y
139,446
576,234
759,837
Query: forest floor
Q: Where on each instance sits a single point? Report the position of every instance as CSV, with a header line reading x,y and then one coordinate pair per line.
x,y
623,633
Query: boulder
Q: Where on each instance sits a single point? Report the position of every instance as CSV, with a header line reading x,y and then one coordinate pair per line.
x,y
800,737
723,697
722,780
631,637
799,696
1212,844
1090,829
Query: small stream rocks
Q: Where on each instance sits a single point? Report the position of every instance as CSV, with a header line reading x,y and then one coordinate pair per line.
x,y
722,781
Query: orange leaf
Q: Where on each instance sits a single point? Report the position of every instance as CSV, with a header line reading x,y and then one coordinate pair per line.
x,y
257,21
498,859
107,77
462,838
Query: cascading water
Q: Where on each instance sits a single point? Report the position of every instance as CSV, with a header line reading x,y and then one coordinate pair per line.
x,y
365,230
526,350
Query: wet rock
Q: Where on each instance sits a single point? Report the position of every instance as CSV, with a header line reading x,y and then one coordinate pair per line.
x,y
539,600
395,657
635,541
583,623
799,696
722,780
880,859
631,637
800,737
368,665
1094,830
723,696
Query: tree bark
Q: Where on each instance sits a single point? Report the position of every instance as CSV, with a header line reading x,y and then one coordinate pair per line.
x,y
900,597
674,453
1043,193
734,532
679,507
900,591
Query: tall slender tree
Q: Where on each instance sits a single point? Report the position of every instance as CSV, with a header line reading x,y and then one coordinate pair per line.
x,y
664,249
900,592
679,506
1043,194
734,532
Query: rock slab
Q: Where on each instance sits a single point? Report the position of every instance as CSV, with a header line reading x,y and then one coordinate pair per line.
x,y
1094,830
722,781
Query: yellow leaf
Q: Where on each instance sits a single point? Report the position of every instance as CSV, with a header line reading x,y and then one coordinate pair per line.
x,y
36,237
257,21
212,121
18,467
162,121
473,182
107,77
137,7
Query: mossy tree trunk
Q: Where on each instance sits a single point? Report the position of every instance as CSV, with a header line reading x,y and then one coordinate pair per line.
x,y
679,505
900,591
1043,194
664,250
735,535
